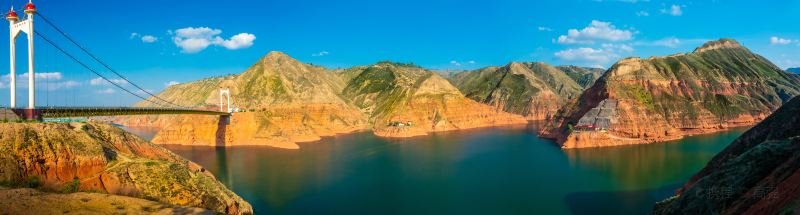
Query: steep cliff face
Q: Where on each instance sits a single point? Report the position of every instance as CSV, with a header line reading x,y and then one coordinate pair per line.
x,y
534,90
405,101
759,173
719,85
286,102
101,157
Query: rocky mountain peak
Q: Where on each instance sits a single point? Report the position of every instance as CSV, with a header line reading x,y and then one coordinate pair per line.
x,y
719,44
279,58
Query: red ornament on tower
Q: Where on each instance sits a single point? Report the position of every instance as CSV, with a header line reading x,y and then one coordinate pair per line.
x,y
12,15
30,8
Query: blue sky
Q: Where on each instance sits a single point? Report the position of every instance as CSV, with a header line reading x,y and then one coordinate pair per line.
x,y
158,42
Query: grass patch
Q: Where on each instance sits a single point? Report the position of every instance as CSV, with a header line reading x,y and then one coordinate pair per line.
x,y
72,187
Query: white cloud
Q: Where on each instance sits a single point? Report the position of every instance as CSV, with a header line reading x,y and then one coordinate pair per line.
x,y
193,40
596,31
780,41
320,54
145,91
674,10
667,42
788,63
59,85
642,13
44,80
171,83
455,63
541,28
106,91
618,47
149,39
239,41
39,75
587,55
471,62
100,81
134,35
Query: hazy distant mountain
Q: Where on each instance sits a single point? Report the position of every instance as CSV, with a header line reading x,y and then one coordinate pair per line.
x,y
718,85
584,76
794,70
534,90
448,73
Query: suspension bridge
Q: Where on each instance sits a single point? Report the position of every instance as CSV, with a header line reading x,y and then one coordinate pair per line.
x,y
106,75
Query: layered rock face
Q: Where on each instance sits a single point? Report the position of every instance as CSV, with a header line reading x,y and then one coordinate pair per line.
x,y
759,173
286,102
406,101
281,126
101,157
719,85
534,90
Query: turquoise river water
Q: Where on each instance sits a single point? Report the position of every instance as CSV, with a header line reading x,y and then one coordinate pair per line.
x,y
483,171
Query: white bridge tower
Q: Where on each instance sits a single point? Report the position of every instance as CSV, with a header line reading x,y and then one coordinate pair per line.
x,y
227,93
17,27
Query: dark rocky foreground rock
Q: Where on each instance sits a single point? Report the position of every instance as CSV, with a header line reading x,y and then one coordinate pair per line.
x,y
759,173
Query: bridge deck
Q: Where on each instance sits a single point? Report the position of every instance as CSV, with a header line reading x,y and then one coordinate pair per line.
x,y
66,112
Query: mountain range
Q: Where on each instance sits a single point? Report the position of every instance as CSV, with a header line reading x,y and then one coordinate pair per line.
x,y
286,101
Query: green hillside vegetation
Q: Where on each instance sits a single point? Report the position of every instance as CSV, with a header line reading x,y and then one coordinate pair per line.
x,y
768,86
516,85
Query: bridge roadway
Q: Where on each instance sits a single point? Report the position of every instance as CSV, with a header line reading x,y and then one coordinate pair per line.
x,y
67,112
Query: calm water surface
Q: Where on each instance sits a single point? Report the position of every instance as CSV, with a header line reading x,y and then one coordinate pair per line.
x,y
486,171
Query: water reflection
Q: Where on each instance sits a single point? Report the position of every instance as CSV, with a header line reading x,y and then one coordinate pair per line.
x,y
652,165
497,170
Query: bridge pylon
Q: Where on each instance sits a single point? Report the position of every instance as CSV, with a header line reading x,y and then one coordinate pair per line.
x,y
25,26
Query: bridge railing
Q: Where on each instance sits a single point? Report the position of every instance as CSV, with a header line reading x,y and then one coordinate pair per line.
x,y
66,112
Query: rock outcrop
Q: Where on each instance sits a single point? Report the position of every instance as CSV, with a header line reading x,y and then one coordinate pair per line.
x,y
103,158
284,101
534,90
720,85
759,173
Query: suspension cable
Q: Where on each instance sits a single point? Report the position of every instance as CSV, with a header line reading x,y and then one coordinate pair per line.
x,y
101,62
92,70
